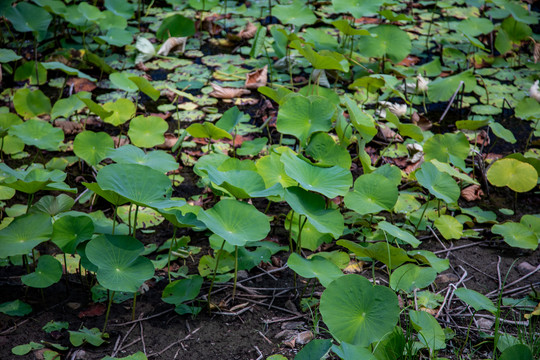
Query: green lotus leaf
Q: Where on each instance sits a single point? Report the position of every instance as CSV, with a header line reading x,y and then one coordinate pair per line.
x,y
67,107
147,131
92,336
447,147
48,272
108,195
182,290
429,258
371,194
344,26
146,87
476,300
331,182
70,230
302,116
326,152
8,55
358,8
120,266
313,206
252,147
92,147
430,332
121,81
517,352
390,41
311,238
362,122
55,65
228,219
54,205
27,17
517,175
516,235
410,277
32,179
177,26
121,8
272,170
439,184
38,133
138,183
322,59
297,13
240,183
116,113
30,103
317,267
6,121
146,217
449,227
357,312
157,159
24,233
117,37
443,88
27,71
208,130
15,308
387,254
399,233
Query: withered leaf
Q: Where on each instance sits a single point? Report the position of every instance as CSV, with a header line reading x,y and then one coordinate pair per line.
x,y
69,127
80,84
221,92
257,78
388,134
248,32
421,121
173,43
472,193
170,140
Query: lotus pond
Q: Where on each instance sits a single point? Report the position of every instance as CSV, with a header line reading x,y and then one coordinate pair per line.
x,y
204,179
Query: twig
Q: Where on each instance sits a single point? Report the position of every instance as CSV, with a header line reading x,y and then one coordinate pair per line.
x,y
117,346
512,322
451,101
494,292
457,247
143,319
142,337
267,273
260,353
175,343
265,338
239,312
499,272
267,322
131,343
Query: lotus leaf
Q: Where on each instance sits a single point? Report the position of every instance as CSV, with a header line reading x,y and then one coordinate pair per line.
x,y
297,13
317,267
24,233
387,254
447,147
517,235
476,300
390,41
157,159
48,272
30,103
410,277
92,147
358,312
517,175
372,193
429,331
399,233
115,113
70,230
449,227
439,184
147,131
358,8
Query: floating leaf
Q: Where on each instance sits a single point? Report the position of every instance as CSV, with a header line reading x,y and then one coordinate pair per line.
x,y
297,13
15,308
176,26
517,235
439,184
449,227
391,41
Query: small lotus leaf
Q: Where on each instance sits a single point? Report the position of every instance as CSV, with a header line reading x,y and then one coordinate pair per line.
x,y
38,133
449,227
476,300
118,112
410,277
182,290
48,272
70,230
430,332
517,235
358,8
297,13
157,159
439,184
447,147
30,103
391,41
177,26
15,308
317,267
147,131
389,255
399,233
207,130
517,175
54,205
92,147
372,193
237,222
357,312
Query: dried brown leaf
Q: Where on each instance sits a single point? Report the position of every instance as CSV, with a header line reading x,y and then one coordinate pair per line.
x,y
69,127
388,134
421,121
536,51
221,92
482,138
472,193
410,168
248,32
257,78
120,142
172,43
170,140
80,84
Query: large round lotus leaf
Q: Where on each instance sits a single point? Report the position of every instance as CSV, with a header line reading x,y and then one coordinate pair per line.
x,y
26,17
317,267
517,352
331,182
313,206
449,227
517,175
357,312
38,133
177,26
372,193
24,233
516,235
48,272
301,116
108,195
298,13
54,205
118,112
120,266
92,147
439,184
237,222
391,42
147,131
138,183
273,171
31,103
410,277
158,160
69,231
449,147
398,233
358,8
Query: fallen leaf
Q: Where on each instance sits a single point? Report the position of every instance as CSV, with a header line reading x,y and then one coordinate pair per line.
x,y
173,43
409,60
536,51
221,92
80,84
354,267
388,134
472,193
120,142
410,168
92,311
482,138
248,32
257,78
421,121
69,127
169,142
